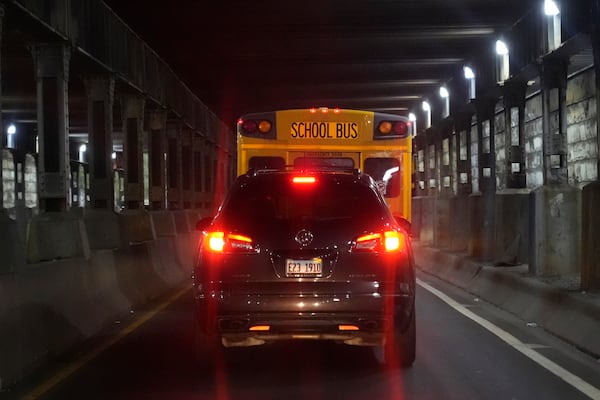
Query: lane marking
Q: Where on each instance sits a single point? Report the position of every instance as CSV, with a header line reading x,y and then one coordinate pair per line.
x,y
584,387
77,364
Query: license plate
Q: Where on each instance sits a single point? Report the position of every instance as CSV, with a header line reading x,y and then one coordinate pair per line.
x,y
311,267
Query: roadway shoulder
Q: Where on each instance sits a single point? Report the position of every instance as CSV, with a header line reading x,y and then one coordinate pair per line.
x,y
571,315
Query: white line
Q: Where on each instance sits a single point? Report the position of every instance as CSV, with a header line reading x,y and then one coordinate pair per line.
x,y
591,391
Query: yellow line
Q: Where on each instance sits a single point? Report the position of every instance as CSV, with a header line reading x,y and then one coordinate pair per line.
x,y
75,365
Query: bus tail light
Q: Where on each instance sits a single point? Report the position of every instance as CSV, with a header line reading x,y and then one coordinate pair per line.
x,y
400,128
264,126
385,127
395,128
384,242
251,126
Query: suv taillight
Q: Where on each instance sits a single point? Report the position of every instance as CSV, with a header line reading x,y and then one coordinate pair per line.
x,y
227,242
381,242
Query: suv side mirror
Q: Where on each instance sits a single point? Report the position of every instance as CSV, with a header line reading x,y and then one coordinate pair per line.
x,y
203,223
404,223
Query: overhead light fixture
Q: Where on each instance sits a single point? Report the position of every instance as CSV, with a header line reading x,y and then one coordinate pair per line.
x,y
550,8
469,73
444,92
11,130
413,118
501,48
82,150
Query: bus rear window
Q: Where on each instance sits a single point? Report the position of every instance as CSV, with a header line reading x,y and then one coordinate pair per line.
x,y
264,162
386,172
316,162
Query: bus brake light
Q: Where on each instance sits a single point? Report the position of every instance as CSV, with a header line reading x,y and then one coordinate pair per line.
x,y
400,128
249,126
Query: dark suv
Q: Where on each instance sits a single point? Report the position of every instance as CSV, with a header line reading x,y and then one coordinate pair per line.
x,y
306,255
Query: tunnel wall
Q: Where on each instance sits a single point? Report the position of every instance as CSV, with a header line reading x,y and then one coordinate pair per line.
x,y
74,290
517,219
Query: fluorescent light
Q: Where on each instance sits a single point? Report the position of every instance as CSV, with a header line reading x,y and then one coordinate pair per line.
x,y
469,74
12,129
501,48
444,92
550,8
426,106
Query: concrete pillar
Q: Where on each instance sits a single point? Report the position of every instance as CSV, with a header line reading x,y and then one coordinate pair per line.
x,y
213,165
222,152
174,184
431,164
442,234
187,170
555,223
197,173
482,211
462,126
100,99
555,210
133,146
157,143
420,182
52,73
459,215
512,204
590,251
514,116
2,134
596,51
428,206
554,119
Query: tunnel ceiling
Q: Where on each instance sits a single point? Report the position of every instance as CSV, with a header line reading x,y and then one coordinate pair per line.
x,y
382,55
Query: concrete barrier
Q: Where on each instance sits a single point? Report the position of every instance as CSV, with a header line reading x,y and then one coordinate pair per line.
x,y
555,215
512,227
48,308
568,315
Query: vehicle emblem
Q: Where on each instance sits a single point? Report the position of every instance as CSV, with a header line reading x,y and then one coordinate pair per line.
x,y
304,237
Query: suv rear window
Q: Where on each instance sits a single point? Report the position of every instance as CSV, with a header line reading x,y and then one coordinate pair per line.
x,y
386,172
276,199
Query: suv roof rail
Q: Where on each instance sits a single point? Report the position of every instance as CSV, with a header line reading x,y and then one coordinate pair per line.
x,y
320,168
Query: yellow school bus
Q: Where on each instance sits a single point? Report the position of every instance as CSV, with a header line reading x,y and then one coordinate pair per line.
x,y
378,144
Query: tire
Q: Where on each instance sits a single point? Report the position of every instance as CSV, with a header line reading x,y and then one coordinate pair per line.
x,y
399,350
207,350
406,343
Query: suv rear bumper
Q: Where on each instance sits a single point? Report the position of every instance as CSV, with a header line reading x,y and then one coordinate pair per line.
x,y
351,319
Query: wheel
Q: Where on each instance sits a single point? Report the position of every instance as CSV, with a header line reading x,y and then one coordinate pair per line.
x,y
399,348
207,349
406,343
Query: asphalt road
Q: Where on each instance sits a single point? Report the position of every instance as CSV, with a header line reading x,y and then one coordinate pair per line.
x,y
466,349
